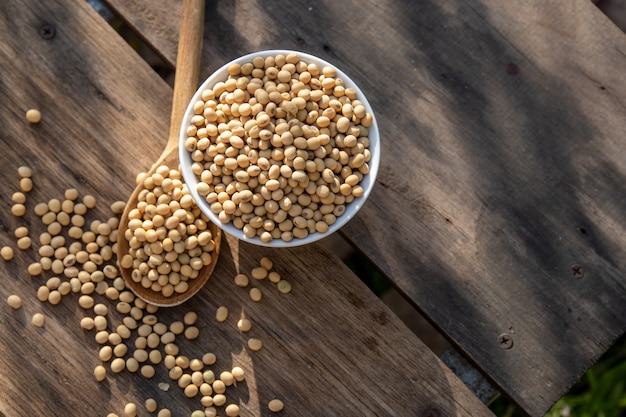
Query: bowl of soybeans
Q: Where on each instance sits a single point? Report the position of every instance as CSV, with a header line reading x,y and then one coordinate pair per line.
x,y
279,148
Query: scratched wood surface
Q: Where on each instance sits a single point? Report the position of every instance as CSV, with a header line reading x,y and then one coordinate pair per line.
x,y
503,139
330,346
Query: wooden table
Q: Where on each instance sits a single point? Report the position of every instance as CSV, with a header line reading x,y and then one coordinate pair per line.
x,y
499,210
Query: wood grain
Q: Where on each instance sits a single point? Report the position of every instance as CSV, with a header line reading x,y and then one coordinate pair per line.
x,y
330,346
502,167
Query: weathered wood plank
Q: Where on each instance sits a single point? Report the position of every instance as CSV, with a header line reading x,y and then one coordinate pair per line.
x,y
330,346
502,141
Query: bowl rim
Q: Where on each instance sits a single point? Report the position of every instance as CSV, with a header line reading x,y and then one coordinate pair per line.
x,y
352,208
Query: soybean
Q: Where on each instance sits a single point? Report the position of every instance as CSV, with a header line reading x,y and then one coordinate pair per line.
x,y
256,294
221,313
259,272
209,358
14,301
232,410
33,116
6,253
238,373
100,373
255,344
275,405
244,325
151,405
283,286
38,319
130,410
241,280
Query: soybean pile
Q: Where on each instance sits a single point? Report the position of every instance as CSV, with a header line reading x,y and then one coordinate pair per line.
x,y
280,148
77,259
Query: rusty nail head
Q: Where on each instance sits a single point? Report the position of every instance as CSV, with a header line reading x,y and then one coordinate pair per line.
x,y
431,412
505,341
512,69
577,271
47,31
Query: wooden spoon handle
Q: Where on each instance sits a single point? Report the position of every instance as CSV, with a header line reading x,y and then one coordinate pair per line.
x,y
187,64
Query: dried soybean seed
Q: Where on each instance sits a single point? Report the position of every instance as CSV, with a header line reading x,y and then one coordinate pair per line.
x,y
196,364
105,353
241,280
191,390
100,323
42,293
120,350
100,373
130,410
259,273
175,373
24,172
38,319
24,243
86,323
210,411
54,297
196,378
102,337
89,201
100,309
7,253
18,197
255,344
283,286
132,365
164,412
140,355
65,288
184,380
244,325
190,318
151,405
33,116
266,263
171,349
26,185
274,277
153,340
209,359
221,314
227,378
275,405
219,400
86,301
177,327
20,232
232,410
41,209
14,301
147,371
219,387
208,377
238,373
256,294
192,332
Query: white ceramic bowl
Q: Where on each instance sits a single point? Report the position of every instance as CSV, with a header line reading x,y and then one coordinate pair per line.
x,y
351,209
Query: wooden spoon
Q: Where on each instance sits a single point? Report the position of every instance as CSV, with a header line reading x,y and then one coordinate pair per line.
x,y
185,84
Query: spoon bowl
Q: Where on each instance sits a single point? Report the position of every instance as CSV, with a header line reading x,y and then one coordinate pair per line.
x,y
187,70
